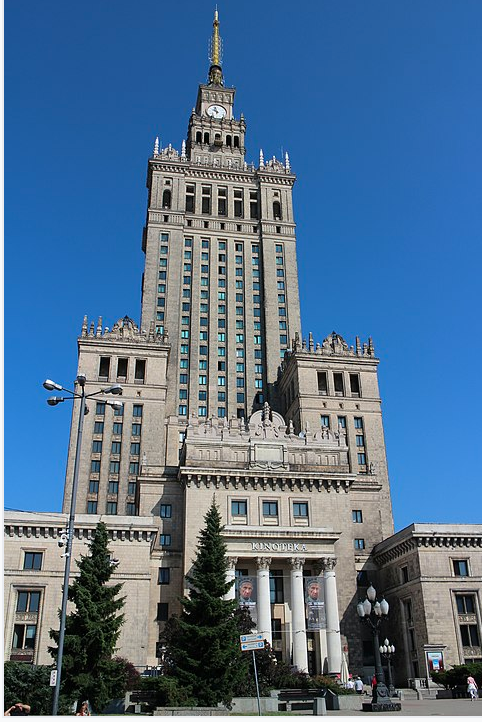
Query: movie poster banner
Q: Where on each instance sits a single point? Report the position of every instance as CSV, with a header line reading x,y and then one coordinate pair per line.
x,y
247,595
315,603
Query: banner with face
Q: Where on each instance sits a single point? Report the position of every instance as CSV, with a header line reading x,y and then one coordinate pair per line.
x,y
315,603
247,595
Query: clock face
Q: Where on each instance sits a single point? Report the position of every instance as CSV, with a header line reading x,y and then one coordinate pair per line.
x,y
216,111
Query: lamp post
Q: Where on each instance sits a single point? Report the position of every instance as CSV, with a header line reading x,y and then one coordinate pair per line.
x,y
69,536
373,613
387,650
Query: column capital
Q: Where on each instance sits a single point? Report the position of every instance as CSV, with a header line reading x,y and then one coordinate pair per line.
x,y
263,562
297,562
328,564
232,561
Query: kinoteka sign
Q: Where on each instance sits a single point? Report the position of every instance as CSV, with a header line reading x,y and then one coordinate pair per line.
x,y
277,547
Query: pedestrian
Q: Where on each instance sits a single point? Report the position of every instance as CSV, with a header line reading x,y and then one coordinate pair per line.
x,y
350,684
472,688
84,710
358,685
18,710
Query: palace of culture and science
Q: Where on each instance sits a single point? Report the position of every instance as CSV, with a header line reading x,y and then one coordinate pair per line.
x,y
223,398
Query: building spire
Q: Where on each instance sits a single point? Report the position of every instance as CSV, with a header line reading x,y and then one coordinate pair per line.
x,y
215,54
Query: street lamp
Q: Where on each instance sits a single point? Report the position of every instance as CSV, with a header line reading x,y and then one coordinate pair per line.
x,y
373,613
387,650
68,537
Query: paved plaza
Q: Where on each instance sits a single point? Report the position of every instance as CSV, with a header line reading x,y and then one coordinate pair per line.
x,y
424,708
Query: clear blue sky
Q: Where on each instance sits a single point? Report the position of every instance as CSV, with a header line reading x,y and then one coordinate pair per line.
x,y
379,104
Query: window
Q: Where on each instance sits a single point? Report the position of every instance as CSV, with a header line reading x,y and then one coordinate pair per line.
x,y
166,511
221,351
221,412
283,339
91,507
93,486
270,508
358,421
114,467
130,509
132,488
190,200
342,422
404,574
28,601
162,612
165,540
357,516
135,448
113,487
258,383
338,383
164,575
469,635
203,380
276,586
119,411
300,509
355,385
362,578
104,367
134,467
99,427
116,447
238,203
182,410
184,334
322,383
465,603
360,440
137,410
253,206
362,460
240,398
239,508
325,421
461,567
97,447
33,560
359,543
221,396
24,636
95,467
221,381
222,201
100,408
183,378
136,429
202,411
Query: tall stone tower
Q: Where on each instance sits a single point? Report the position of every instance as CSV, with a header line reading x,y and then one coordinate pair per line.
x,y
223,398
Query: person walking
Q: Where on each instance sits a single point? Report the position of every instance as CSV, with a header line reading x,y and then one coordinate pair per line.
x,y
358,685
472,688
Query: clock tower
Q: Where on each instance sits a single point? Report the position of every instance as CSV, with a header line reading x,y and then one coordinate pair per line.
x,y
212,126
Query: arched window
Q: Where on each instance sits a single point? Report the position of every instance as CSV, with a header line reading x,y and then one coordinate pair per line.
x,y
236,141
277,210
228,141
206,138
166,199
199,137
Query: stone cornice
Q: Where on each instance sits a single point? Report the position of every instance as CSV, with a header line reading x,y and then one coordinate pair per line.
x,y
252,481
394,548
118,528
281,533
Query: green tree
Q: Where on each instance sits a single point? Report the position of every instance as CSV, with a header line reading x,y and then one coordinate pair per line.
x,y
91,631
30,684
202,644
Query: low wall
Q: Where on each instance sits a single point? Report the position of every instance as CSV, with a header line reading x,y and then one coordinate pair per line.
x,y
190,712
344,701
245,705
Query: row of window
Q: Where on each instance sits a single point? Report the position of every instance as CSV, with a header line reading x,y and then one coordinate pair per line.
x,y
334,385
122,369
220,205
111,508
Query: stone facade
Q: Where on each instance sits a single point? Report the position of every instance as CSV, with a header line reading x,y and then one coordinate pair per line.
x,y
432,576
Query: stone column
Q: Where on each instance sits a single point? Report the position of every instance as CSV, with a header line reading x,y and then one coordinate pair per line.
x,y
230,577
300,651
264,604
333,640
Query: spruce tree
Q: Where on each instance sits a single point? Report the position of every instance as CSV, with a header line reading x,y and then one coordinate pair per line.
x,y
202,644
89,671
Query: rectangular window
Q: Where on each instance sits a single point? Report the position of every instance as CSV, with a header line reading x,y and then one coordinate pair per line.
x,y
276,586
134,467
162,612
24,636
164,575
300,509
322,383
342,422
100,408
240,398
182,410
98,427
131,509
165,540
359,543
137,410
114,467
166,511
183,378
93,486
95,466
135,448
360,440
461,567
104,367
270,508
325,421
97,447
132,488
238,203
221,396
190,199
362,460
357,516
469,635
28,601
465,603
404,574
116,447
239,507
33,560
358,421
355,385
222,201
136,429
338,383
91,507
113,487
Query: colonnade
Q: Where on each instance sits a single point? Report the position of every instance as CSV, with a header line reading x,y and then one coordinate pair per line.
x,y
326,566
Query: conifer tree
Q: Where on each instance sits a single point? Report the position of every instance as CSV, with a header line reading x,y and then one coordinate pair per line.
x,y
202,644
89,671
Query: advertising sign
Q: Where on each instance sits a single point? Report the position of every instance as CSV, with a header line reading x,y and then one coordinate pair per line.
x,y
315,603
